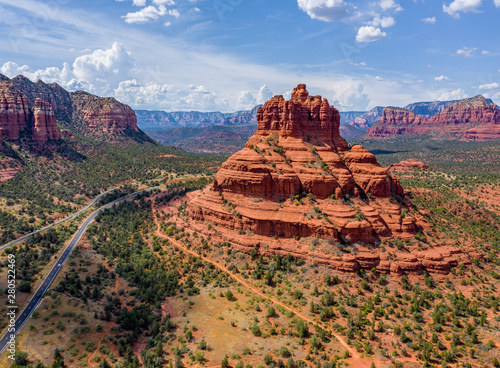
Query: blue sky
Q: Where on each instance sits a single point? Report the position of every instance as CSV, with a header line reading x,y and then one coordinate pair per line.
x,y
228,55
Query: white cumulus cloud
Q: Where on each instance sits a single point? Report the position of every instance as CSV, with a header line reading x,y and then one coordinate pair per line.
x,y
149,94
109,66
486,52
325,10
489,86
248,100
97,72
369,34
430,20
497,3
467,51
464,6
441,78
457,94
350,95
384,22
264,94
389,4
145,15
164,2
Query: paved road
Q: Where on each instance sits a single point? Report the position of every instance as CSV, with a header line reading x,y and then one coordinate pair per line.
x,y
58,222
38,296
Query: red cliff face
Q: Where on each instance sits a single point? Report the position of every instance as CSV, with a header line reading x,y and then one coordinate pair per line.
x,y
16,116
14,112
469,119
45,126
304,117
297,148
102,115
294,175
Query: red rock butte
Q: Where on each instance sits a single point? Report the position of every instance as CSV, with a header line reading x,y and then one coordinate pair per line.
x,y
297,148
298,188
297,154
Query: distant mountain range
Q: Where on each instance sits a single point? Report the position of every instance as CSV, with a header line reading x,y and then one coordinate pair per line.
x,y
217,132
169,120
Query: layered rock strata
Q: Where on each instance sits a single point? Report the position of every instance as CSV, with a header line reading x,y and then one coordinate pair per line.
x,y
297,149
45,126
14,112
16,117
296,177
468,119
256,223
81,112
102,115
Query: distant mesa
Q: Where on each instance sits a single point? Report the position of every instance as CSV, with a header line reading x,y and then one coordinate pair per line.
x,y
410,164
298,179
471,119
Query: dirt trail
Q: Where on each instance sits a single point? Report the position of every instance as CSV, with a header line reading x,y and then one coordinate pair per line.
x,y
90,358
115,287
355,357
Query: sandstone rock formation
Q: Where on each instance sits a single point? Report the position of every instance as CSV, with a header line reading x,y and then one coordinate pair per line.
x,y
409,164
58,97
295,178
297,188
468,119
99,115
45,126
16,116
297,148
79,112
14,111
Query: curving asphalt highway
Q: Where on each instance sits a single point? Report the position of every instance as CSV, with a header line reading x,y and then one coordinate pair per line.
x,y
42,289
58,222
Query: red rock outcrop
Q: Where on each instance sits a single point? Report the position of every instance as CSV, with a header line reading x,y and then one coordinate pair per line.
x,y
306,118
468,119
80,112
53,93
297,180
409,164
241,230
16,116
102,115
14,111
45,126
295,176
297,148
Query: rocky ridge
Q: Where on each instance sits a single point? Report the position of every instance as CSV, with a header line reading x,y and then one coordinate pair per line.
x,y
96,116
469,119
169,120
79,112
